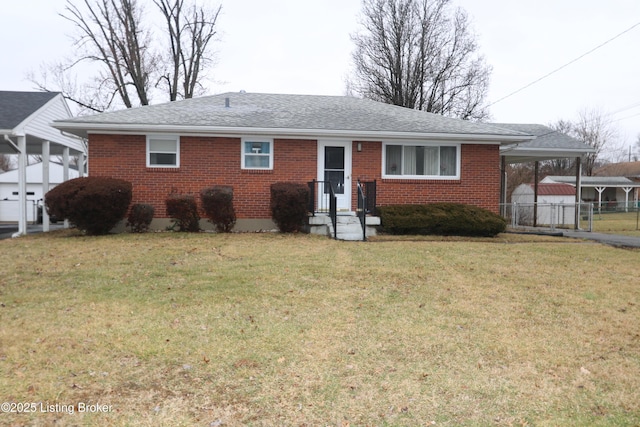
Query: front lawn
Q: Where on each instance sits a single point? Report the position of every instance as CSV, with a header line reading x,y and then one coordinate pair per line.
x,y
267,329
627,223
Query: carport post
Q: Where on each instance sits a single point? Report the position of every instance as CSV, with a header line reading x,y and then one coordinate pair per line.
x,y
22,185
45,182
576,222
536,170
65,173
81,164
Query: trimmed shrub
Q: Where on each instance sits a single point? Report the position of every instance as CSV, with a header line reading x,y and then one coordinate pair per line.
x,y
93,204
184,211
217,203
447,219
289,205
140,217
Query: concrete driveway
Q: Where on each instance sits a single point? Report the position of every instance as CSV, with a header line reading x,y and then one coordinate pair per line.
x,y
7,230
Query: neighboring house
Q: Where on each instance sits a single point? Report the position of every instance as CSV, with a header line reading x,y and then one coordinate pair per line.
x,y
25,119
607,192
630,170
9,208
555,206
250,141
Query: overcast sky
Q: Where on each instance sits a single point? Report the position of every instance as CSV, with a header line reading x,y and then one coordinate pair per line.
x,y
304,47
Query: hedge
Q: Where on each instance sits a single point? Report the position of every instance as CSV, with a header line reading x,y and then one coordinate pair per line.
x,y
217,203
289,205
448,219
93,204
140,217
183,209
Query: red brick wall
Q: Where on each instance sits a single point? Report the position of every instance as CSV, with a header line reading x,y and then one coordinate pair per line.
x,y
479,182
206,161
203,162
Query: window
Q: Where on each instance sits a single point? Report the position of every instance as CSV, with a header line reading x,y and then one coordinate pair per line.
x,y
257,153
163,151
421,161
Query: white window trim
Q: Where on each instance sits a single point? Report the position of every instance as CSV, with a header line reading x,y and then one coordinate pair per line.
x,y
172,138
455,177
256,139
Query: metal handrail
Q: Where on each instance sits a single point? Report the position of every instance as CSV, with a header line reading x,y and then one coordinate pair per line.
x,y
362,210
333,210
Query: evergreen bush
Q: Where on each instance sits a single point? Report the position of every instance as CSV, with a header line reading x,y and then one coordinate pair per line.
x,y
183,209
289,205
93,204
447,219
140,217
217,203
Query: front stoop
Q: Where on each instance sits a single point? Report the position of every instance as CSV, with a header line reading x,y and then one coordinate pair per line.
x,y
349,227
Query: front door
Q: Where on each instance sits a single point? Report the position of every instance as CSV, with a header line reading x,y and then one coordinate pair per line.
x,y
334,166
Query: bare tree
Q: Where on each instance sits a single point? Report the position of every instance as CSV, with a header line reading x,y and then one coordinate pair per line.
x,y
420,54
112,35
564,165
189,36
595,130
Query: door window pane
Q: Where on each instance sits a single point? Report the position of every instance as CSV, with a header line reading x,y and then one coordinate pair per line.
x,y
336,178
334,158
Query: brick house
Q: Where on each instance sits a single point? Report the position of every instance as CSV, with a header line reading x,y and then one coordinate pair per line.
x,y
250,141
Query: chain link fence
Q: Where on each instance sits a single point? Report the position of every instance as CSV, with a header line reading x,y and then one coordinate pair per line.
x,y
549,215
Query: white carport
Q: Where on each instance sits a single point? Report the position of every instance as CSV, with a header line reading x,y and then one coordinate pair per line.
x,y
25,119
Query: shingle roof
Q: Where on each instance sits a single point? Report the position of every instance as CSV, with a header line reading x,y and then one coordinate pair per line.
x,y
546,138
627,169
17,106
273,111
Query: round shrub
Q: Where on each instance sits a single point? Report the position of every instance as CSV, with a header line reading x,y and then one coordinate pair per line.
x,y
93,204
184,211
289,205
446,219
217,203
140,217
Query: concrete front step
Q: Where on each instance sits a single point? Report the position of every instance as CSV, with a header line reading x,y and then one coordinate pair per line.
x,y
349,227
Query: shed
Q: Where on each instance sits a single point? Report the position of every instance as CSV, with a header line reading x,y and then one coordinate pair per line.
x,y
555,205
9,189
609,192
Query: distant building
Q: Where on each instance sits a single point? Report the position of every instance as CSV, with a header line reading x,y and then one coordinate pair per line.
x,y
556,204
9,193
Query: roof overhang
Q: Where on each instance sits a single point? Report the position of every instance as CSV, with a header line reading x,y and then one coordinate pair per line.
x,y
515,154
34,144
83,130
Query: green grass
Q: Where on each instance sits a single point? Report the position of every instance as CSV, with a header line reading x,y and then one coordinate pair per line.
x,y
267,329
626,223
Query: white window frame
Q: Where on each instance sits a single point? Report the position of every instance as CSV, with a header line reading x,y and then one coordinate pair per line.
x,y
171,138
243,153
420,177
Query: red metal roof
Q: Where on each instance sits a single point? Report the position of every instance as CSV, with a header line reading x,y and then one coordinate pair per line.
x,y
555,189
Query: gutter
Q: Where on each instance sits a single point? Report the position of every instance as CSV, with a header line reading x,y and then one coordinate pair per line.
x,y
83,130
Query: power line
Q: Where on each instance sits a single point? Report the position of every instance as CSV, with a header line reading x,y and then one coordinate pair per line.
x,y
565,65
